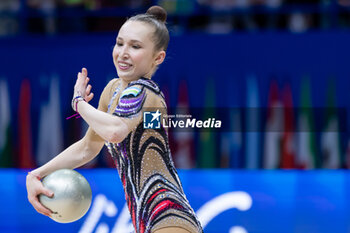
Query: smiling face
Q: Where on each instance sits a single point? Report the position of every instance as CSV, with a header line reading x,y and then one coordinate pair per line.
x,y
134,55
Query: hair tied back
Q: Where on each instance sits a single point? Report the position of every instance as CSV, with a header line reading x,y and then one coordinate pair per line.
x,y
157,12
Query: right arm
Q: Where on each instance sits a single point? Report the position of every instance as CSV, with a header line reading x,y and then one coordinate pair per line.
x,y
74,156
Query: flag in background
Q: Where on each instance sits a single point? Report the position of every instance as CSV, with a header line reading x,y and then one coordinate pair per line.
x,y
50,142
24,127
231,142
207,145
273,130
236,154
184,140
252,127
166,93
306,136
6,153
330,138
288,137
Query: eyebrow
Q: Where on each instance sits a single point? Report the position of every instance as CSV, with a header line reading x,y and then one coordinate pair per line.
x,y
133,41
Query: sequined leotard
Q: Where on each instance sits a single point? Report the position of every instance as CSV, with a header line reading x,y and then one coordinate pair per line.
x,y
152,187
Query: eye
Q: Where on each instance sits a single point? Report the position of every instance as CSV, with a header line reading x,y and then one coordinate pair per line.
x,y
119,44
136,46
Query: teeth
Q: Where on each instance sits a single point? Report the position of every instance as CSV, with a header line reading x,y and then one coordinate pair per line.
x,y
123,65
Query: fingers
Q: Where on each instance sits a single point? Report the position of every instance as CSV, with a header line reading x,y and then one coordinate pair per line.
x,y
48,192
83,77
88,89
80,75
84,71
34,188
81,86
40,208
89,97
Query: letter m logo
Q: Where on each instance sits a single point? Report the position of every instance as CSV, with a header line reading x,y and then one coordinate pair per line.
x,y
151,120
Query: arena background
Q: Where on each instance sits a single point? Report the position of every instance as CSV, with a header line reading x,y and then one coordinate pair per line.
x,y
278,69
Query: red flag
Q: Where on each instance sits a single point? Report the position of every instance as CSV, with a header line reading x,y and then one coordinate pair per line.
x,y
288,145
272,145
24,123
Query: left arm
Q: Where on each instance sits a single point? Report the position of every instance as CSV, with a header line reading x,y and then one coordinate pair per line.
x,y
110,128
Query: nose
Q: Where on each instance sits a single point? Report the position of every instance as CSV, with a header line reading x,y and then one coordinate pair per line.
x,y
124,52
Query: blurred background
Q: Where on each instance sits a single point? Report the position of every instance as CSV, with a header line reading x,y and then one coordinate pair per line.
x,y
277,71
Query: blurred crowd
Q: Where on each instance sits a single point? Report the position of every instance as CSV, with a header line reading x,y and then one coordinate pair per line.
x,y
211,16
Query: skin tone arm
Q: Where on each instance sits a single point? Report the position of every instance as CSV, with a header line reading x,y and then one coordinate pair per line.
x,y
82,151
107,126
74,156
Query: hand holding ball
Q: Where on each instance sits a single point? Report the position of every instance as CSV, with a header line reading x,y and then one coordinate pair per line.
x,y
72,195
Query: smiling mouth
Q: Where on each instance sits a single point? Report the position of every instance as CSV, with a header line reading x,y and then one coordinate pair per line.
x,y
124,66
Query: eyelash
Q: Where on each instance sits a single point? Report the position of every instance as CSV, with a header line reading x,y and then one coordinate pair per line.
x,y
134,46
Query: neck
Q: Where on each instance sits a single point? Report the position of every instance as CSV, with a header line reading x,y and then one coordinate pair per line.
x,y
125,83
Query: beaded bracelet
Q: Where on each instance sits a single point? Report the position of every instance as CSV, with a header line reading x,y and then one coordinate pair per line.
x,y
75,102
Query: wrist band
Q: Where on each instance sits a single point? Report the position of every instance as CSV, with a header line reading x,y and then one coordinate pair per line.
x,y
36,176
75,102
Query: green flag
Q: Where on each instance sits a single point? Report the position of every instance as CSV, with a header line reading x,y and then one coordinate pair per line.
x,y
207,151
6,156
306,135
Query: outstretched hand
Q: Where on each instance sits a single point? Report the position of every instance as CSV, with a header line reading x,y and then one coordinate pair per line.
x,y
81,87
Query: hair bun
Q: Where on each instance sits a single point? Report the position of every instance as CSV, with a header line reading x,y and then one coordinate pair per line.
x,y
158,12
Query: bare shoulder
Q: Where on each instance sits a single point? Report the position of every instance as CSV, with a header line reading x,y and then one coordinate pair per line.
x,y
111,85
107,94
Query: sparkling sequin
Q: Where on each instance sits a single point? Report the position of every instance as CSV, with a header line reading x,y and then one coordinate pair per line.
x,y
130,104
116,92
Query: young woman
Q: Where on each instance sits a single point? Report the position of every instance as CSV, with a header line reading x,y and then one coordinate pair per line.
x,y
152,187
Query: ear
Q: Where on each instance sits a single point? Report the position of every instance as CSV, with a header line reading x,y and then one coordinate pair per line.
x,y
159,58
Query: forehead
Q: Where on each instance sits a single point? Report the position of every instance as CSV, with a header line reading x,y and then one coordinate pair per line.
x,y
135,30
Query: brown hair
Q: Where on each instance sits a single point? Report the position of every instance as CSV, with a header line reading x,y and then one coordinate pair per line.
x,y
156,17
